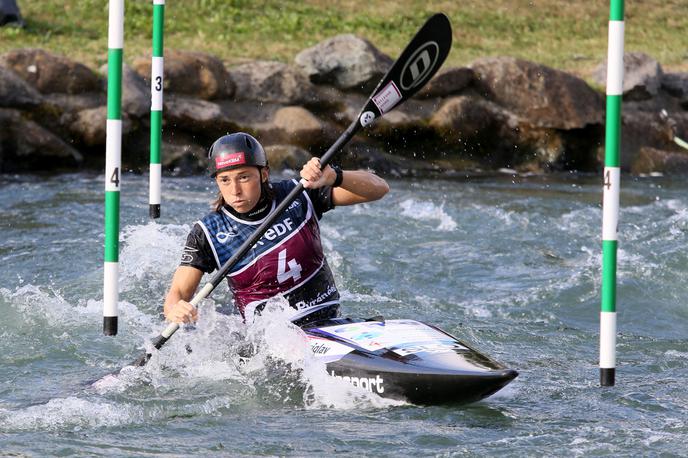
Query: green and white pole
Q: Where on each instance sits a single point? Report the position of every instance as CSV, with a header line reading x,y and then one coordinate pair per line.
x,y
113,165
610,204
157,67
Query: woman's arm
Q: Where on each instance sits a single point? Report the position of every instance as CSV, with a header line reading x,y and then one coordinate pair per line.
x,y
357,186
184,283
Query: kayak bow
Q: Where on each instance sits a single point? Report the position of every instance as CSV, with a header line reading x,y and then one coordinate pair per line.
x,y
406,360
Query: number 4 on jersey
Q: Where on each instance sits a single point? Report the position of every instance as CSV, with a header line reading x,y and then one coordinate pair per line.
x,y
294,268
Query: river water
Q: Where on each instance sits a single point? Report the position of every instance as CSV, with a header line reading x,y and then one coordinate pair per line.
x,y
510,264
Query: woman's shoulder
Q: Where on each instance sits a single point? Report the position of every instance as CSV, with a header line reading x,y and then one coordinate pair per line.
x,y
287,184
212,215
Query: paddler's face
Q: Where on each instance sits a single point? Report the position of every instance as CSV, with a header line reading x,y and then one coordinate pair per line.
x,y
240,187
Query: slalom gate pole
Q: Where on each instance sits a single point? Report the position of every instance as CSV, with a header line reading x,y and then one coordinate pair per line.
x,y
113,165
157,67
611,188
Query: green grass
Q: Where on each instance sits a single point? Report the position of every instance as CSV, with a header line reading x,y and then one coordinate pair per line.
x,y
570,35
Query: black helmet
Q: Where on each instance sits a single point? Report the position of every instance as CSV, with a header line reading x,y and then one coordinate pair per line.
x,y
235,150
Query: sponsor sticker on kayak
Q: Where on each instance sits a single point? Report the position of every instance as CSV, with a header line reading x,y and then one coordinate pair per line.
x,y
371,384
401,336
326,350
427,347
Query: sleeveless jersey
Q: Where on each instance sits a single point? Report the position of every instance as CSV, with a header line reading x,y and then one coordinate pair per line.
x,y
287,260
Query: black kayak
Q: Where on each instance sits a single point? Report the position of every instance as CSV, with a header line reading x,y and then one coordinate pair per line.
x,y
406,360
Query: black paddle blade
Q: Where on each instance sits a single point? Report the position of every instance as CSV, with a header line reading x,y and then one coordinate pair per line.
x,y
419,62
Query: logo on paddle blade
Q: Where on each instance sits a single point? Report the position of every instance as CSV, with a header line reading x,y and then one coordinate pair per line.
x,y
420,64
367,118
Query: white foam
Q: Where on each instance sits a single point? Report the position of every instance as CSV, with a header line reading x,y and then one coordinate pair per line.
x,y
424,211
70,413
509,218
150,249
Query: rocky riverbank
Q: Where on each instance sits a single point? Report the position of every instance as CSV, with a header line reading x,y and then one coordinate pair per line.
x,y
492,114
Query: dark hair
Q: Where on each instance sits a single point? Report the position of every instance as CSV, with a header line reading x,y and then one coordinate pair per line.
x,y
265,190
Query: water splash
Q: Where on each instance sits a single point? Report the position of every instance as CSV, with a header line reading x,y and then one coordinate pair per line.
x,y
424,211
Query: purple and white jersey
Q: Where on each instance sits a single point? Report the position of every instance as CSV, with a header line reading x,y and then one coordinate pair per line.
x,y
287,260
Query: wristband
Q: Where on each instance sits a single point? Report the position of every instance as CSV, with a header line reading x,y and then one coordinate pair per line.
x,y
340,176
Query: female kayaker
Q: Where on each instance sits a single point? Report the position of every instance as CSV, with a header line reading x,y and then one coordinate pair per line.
x,y
288,259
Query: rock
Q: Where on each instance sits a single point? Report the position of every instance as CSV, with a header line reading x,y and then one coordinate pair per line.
x,y
544,96
495,137
196,115
181,155
447,82
190,73
249,116
15,92
28,147
350,104
273,82
464,117
653,160
290,157
641,129
90,126
676,85
358,155
345,61
136,95
406,121
297,126
50,73
73,103
642,76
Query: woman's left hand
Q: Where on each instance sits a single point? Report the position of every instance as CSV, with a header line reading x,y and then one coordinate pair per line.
x,y
316,178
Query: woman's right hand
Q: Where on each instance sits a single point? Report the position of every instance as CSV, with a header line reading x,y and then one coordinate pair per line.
x,y
182,312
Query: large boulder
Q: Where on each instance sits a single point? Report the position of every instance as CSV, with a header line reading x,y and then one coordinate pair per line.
x,y
51,73
296,126
15,92
275,82
182,155
676,85
196,115
281,157
249,116
448,82
359,155
345,61
70,104
190,73
464,118
495,137
27,146
652,160
90,126
641,129
136,95
642,76
547,97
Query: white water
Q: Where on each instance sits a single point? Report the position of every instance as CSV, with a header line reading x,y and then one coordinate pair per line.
x,y
513,267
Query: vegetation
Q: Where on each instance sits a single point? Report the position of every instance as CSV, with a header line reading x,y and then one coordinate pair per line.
x,y
566,34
